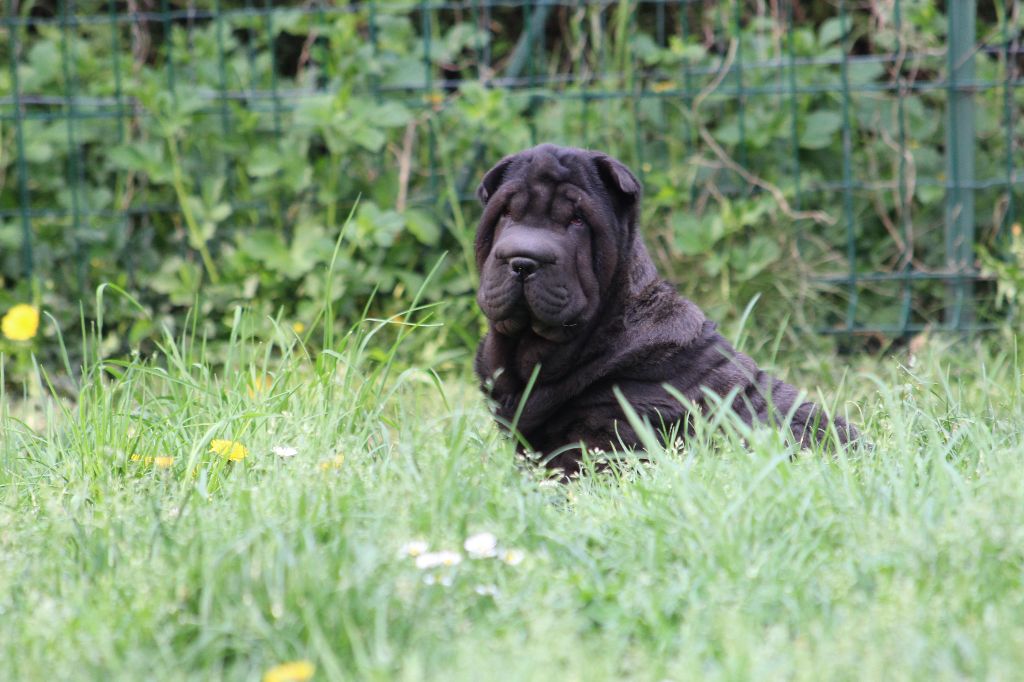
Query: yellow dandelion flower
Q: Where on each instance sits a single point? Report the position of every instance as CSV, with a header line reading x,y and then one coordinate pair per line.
x,y
333,463
21,322
161,461
260,384
229,449
292,671
298,327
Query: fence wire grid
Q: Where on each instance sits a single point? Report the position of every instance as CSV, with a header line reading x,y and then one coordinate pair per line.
x,y
884,134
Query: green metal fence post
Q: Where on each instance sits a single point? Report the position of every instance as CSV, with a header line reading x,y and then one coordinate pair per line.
x,y
27,258
848,212
75,169
960,143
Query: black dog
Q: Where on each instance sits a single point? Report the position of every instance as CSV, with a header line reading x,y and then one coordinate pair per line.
x,y
570,292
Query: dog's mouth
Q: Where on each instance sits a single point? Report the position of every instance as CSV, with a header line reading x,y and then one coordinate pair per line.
x,y
547,302
517,326
557,334
543,310
511,326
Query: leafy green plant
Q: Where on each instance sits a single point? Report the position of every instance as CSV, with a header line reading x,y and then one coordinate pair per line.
x,y
210,160
1008,271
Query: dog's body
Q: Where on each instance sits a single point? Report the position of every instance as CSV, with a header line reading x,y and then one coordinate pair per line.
x,y
571,293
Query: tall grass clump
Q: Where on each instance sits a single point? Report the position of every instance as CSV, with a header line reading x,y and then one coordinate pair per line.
x,y
213,511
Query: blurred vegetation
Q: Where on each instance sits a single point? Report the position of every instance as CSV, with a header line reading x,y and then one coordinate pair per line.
x,y
209,155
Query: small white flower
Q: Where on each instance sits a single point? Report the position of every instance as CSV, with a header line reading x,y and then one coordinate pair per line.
x,y
481,546
486,590
413,548
443,579
435,559
513,557
285,451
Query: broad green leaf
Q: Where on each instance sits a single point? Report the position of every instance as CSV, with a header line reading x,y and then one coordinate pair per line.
x,y
759,253
389,115
831,30
371,139
820,129
265,161
422,226
145,157
45,60
380,227
220,212
860,72
262,244
728,133
692,235
38,151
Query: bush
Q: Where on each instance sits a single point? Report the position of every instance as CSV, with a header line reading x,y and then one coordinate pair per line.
x,y
212,158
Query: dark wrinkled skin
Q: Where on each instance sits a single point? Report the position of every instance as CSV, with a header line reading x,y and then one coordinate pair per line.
x,y
566,283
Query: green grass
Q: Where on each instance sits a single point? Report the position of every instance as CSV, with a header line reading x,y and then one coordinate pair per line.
x,y
717,560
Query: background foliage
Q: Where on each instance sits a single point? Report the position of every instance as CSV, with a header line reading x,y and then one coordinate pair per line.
x,y
209,153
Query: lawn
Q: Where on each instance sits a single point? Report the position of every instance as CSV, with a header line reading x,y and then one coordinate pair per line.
x,y
130,551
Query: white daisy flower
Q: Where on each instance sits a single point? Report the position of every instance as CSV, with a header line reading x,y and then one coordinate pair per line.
x,y
413,548
481,546
513,557
435,559
285,451
486,590
442,579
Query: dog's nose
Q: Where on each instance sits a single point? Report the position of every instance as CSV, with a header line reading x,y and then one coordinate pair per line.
x,y
523,267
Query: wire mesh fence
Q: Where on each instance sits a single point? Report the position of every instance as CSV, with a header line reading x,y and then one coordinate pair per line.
x,y
871,148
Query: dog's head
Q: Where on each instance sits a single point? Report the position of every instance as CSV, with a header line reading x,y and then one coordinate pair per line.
x,y
557,232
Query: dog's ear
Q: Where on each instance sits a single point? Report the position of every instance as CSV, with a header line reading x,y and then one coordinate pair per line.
x,y
620,181
493,179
